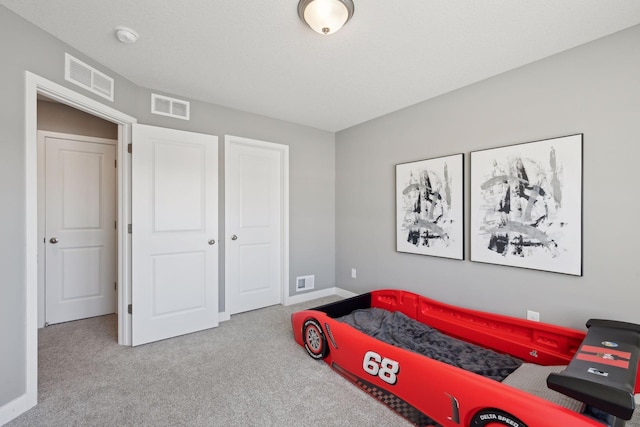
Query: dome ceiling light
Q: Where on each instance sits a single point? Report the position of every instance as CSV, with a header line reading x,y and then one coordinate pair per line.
x,y
125,34
325,16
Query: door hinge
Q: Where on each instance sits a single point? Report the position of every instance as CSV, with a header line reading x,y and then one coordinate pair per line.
x,y
129,148
115,225
129,228
115,164
115,286
129,308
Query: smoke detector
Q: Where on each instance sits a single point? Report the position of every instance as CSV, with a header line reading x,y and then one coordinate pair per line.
x,y
125,34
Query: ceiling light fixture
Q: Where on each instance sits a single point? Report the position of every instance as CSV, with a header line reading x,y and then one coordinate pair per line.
x,y
126,35
325,16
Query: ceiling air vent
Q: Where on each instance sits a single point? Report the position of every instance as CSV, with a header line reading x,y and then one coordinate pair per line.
x,y
81,74
170,107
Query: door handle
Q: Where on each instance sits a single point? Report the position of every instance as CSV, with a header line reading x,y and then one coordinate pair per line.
x,y
53,240
212,242
234,237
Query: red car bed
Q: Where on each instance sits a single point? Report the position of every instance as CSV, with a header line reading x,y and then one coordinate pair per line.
x,y
440,365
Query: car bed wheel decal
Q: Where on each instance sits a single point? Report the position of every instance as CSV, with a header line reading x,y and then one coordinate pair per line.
x,y
314,340
492,416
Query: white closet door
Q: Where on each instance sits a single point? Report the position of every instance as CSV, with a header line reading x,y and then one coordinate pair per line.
x,y
174,233
254,191
80,258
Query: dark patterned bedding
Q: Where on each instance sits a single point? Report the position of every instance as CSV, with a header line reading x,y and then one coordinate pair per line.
x,y
397,329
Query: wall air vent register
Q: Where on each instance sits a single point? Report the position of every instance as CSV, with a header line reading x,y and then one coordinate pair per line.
x,y
305,282
170,107
87,77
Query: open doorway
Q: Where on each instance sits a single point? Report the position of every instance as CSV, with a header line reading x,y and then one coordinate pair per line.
x,y
77,208
34,86
176,160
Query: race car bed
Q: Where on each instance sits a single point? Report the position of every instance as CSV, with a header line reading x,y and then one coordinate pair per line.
x,y
441,365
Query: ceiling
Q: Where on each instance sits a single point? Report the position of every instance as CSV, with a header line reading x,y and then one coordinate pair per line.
x,y
257,56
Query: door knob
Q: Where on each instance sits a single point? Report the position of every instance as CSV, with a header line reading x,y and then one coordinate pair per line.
x,y
212,242
54,240
234,237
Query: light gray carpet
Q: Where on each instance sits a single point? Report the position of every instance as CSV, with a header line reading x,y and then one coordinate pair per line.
x,y
247,372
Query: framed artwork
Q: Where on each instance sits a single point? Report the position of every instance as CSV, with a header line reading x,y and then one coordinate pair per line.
x,y
526,205
430,207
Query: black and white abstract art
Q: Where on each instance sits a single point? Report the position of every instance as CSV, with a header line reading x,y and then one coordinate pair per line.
x,y
526,205
430,207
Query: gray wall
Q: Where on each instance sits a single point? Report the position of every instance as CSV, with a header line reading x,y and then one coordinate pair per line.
x,y
56,117
312,175
593,89
24,47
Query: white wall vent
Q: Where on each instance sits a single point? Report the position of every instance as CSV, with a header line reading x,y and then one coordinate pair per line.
x,y
305,282
170,107
83,75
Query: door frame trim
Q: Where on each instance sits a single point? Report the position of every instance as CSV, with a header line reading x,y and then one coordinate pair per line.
x,y
284,156
34,85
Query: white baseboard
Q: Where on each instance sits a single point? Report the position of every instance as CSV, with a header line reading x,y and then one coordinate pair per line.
x,y
309,296
344,293
13,409
223,316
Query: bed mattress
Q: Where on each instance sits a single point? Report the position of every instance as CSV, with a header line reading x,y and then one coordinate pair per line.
x,y
397,329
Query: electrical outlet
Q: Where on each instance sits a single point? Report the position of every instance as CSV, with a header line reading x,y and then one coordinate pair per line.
x,y
533,315
353,273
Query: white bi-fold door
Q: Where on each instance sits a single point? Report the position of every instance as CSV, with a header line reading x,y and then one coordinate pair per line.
x,y
174,233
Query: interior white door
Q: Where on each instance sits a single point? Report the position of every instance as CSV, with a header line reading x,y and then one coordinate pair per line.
x,y
254,190
80,257
174,233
